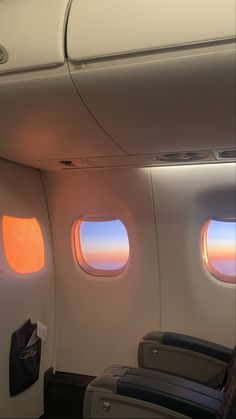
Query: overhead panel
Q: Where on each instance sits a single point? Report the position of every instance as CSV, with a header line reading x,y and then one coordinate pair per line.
x,y
50,120
159,76
182,100
32,33
105,28
114,83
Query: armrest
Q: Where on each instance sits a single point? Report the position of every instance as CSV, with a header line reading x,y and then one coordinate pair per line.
x,y
192,343
179,381
180,399
134,392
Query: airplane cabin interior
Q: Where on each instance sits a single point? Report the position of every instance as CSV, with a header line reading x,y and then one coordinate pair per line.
x,y
117,209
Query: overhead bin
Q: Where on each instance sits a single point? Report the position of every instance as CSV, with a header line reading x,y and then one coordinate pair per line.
x,y
51,122
32,33
107,83
157,75
173,101
109,28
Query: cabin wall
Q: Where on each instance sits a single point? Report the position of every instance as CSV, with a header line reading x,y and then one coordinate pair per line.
x,y
24,296
99,321
192,300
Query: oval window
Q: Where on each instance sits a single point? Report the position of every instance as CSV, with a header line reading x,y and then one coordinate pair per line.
x,y
101,247
23,244
219,247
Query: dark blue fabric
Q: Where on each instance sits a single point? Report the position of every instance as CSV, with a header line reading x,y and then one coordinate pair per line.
x,y
24,360
173,397
228,407
179,381
198,345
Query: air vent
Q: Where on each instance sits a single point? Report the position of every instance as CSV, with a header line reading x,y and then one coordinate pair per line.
x,y
74,164
162,159
3,55
185,156
229,155
64,164
67,163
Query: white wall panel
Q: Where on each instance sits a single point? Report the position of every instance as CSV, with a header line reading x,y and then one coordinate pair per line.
x,y
100,321
193,301
24,296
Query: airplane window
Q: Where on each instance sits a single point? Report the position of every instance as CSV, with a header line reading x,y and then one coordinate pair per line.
x,y
219,248
23,244
101,247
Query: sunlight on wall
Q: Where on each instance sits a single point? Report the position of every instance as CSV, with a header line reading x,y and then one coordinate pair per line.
x,y
101,247
219,249
23,244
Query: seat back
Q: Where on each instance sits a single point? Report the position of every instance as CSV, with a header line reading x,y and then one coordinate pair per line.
x,y
228,408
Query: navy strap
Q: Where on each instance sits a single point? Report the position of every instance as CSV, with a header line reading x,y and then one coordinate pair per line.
x,y
176,380
197,345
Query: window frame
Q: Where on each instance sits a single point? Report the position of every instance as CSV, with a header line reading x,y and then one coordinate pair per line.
x,y
78,255
226,279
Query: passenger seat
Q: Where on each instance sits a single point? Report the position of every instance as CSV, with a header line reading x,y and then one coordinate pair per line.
x,y
186,356
123,392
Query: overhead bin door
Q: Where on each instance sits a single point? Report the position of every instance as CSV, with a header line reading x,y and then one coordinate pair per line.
x,y
167,102
149,90
32,33
103,28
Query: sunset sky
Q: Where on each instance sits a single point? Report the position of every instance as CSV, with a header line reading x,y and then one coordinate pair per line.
x,y
221,246
104,244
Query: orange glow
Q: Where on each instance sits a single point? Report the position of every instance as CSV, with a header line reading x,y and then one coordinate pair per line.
x,y
204,244
23,244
